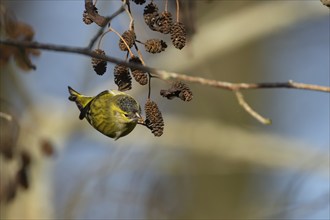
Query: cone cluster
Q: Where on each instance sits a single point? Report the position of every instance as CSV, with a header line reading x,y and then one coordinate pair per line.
x,y
154,119
99,66
163,23
159,21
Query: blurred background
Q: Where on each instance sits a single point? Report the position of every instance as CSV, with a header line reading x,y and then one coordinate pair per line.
x,y
213,161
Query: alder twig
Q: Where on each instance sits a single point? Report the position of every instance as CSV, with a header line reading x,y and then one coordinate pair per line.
x,y
169,76
106,21
239,86
248,109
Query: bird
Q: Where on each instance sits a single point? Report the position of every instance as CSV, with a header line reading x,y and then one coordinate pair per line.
x,y
111,112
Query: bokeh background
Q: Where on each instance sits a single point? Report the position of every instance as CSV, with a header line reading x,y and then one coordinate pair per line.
x,y
213,161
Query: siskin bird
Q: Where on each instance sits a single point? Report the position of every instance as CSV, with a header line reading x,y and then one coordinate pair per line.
x,y
113,113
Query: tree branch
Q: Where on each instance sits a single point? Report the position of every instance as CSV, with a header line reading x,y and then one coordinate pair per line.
x,y
107,20
240,86
167,76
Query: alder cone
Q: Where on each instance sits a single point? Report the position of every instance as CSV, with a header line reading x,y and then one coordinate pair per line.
x,y
155,45
140,76
154,119
129,37
150,15
178,35
122,78
99,66
164,22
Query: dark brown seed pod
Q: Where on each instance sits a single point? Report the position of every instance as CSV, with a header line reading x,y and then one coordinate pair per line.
x,y
99,66
178,89
139,75
86,18
150,15
129,37
164,22
139,2
155,46
122,78
178,35
154,119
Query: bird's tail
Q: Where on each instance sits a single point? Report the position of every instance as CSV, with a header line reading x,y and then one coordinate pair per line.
x,y
78,98
73,94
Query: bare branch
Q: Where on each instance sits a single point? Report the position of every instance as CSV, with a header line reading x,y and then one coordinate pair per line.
x,y
168,76
239,86
165,75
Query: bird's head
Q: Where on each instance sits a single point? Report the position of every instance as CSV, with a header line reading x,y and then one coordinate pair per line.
x,y
128,108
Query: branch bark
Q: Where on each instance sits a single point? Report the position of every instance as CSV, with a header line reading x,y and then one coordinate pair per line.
x,y
169,76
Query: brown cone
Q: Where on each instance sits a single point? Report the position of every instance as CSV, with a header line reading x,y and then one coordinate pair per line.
x,y
154,119
178,35
122,78
164,22
155,46
139,75
99,66
129,37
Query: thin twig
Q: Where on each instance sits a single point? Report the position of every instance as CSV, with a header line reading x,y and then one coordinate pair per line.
x,y
107,21
248,109
124,41
166,5
131,19
101,38
140,54
239,86
177,11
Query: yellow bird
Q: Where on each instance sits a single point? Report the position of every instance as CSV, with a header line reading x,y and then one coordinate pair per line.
x,y
113,113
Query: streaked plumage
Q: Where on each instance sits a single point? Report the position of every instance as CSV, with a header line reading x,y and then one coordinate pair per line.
x,y
113,113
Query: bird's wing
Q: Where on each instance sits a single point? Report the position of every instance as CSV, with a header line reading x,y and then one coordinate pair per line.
x,y
84,110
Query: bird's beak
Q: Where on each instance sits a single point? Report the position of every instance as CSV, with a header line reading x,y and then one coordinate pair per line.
x,y
138,118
